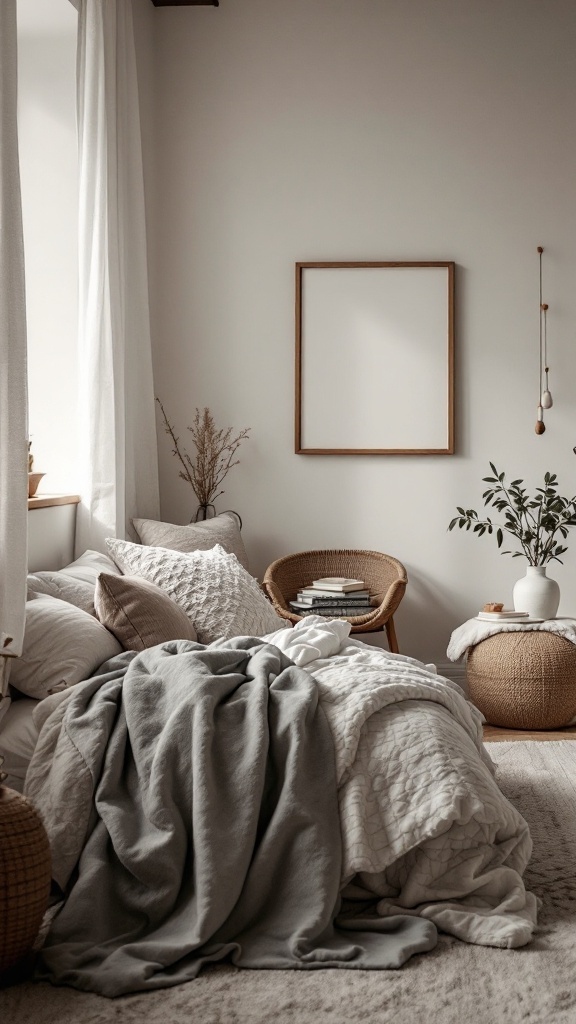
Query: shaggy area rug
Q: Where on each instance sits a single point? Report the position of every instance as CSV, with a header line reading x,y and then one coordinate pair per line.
x,y
454,984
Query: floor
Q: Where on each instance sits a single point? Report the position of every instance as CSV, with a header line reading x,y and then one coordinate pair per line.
x,y
493,733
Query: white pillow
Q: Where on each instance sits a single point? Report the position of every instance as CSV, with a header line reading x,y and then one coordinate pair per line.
x,y
74,583
62,645
215,591
65,588
89,566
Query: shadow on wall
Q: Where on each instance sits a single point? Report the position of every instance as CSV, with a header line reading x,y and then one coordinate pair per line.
x,y
423,617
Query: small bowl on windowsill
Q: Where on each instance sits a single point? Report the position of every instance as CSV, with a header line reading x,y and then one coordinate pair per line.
x,y
33,482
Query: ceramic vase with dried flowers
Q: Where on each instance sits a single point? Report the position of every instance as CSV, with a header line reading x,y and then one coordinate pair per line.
x,y
214,458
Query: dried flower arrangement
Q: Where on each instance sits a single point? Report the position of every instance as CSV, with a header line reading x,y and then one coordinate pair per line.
x,y
215,451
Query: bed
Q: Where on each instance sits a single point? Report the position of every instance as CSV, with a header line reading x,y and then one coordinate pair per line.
x,y
233,788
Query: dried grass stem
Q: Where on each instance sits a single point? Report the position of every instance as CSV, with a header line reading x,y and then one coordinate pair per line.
x,y
215,451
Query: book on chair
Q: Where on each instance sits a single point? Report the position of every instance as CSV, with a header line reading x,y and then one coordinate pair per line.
x,y
338,584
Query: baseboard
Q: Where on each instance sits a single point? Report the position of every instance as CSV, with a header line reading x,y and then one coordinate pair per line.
x,y
454,671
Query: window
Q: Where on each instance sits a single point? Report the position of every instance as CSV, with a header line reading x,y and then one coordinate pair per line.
x,y
49,177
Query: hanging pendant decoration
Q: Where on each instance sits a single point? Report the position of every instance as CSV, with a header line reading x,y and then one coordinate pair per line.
x,y
545,400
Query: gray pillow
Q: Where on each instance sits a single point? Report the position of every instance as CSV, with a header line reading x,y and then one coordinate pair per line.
x,y
223,530
138,613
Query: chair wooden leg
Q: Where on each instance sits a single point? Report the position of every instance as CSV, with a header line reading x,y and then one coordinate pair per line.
x,y
391,634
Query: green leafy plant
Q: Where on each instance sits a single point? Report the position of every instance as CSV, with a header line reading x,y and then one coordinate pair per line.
x,y
534,521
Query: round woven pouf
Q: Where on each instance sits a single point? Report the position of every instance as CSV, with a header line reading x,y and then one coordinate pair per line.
x,y
24,877
524,679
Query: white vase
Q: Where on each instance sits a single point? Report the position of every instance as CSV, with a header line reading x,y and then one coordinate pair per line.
x,y
536,594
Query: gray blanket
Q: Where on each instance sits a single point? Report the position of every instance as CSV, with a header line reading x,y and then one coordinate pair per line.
x,y
212,830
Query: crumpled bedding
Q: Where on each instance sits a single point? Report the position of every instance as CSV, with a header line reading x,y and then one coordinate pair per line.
x,y
425,830
424,824
208,826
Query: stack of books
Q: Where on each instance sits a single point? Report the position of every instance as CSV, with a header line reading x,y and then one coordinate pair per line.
x,y
506,615
333,596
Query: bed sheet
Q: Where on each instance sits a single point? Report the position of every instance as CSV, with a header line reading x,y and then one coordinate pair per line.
x,y
18,736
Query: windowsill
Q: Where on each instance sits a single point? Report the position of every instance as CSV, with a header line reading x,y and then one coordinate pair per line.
x,y
47,500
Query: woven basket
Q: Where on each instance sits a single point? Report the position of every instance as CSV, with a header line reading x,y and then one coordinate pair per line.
x,y
24,876
384,576
524,679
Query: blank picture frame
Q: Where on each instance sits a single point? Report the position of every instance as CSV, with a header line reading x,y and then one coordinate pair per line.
x,y
375,358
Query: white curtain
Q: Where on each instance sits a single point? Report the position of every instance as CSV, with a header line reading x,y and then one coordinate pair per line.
x,y
119,473
13,387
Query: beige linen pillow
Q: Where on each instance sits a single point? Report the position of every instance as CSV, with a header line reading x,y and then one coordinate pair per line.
x,y
62,645
223,530
139,613
215,591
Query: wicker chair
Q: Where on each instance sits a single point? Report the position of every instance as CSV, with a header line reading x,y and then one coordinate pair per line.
x,y
384,576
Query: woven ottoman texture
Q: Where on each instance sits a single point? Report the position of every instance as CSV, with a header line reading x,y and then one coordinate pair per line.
x,y
524,679
24,876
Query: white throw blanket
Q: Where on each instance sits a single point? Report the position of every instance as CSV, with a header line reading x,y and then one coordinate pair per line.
x,y
424,824
473,631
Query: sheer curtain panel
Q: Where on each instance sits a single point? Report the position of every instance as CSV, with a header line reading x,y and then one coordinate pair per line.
x,y
119,472
13,389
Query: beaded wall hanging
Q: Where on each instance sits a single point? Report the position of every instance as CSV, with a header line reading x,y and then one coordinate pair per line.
x,y
544,393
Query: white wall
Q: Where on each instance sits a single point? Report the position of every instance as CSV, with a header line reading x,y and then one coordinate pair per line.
x,y
379,129
49,176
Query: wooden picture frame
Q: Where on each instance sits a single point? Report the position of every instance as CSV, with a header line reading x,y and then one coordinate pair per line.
x,y
375,358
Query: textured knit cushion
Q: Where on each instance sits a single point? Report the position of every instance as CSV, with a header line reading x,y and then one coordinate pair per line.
x,y
223,530
215,591
139,613
62,646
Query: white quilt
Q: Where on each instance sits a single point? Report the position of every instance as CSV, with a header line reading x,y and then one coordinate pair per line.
x,y
424,824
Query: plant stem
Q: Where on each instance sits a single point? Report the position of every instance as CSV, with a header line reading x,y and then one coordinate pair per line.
x,y
176,449
215,451
523,526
